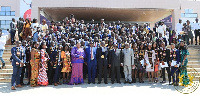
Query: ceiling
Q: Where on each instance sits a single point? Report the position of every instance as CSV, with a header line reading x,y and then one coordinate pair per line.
x,y
109,14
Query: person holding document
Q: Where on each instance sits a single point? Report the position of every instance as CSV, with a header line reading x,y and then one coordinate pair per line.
x,y
150,58
164,58
174,61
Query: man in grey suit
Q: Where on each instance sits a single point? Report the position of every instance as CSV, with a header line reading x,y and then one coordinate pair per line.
x,y
128,63
115,58
12,30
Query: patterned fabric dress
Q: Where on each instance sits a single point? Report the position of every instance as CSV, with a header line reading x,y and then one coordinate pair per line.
x,y
34,68
77,66
42,77
67,62
183,70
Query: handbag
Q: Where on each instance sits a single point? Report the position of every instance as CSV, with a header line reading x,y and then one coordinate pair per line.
x,y
21,34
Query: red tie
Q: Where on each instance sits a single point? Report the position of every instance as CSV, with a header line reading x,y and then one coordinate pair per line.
x,y
91,53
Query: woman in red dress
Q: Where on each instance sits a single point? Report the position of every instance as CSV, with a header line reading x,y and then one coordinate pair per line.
x,y
42,77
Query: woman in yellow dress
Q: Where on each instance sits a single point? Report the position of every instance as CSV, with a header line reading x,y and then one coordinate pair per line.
x,y
35,59
27,29
65,55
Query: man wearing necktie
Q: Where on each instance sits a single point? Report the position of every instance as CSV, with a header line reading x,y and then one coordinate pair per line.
x,y
17,63
91,62
102,53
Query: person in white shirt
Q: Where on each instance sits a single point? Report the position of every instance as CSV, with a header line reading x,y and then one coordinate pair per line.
x,y
44,27
179,27
34,26
196,30
3,39
161,29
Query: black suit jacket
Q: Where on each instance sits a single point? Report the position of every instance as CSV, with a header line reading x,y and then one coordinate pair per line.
x,y
115,60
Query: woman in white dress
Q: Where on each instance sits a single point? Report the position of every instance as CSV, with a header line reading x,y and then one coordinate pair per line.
x,y
150,58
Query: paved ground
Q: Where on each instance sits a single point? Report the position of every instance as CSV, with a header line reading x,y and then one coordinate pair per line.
x,y
137,88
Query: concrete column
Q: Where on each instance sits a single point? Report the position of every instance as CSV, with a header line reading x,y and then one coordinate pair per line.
x,y
35,13
176,15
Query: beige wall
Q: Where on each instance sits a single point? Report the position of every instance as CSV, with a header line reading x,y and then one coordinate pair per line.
x,y
15,5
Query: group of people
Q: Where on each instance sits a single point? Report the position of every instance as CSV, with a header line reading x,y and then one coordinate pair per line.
x,y
73,50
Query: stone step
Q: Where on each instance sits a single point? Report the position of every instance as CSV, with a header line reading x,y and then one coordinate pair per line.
x,y
4,75
6,70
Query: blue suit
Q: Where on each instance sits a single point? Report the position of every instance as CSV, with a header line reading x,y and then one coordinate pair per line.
x,y
91,63
16,68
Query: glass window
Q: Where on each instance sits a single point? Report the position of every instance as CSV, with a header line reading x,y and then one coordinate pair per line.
x,y
3,22
182,15
3,8
12,13
7,13
190,10
8,9
191,15
2,13
8,22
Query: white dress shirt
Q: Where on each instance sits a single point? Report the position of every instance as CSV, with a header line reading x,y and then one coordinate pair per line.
x,y
196,26
179,27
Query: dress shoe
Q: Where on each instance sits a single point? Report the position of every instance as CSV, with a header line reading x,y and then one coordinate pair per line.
x,y
59,83
93,82
89,82
13,88
170,83
99,83
22,83
119,82
112,82
106,82
130,82
3,66
125,82
163,82
18,86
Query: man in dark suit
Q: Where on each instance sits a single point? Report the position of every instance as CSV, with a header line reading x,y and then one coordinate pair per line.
x,y
12,30
115,58
164,58
91,62
20,26
17,63
102,63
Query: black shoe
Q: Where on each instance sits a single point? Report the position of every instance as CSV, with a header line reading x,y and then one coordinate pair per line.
x,y
112,82
170,83
142,81
93,82
106,82
163,82
196,44
125,82
175,84
89,82
130,82
119,82
99,83
134,81
3,65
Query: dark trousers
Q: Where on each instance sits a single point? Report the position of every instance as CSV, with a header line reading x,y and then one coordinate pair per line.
x,y
186,39
91,71
57,73
168,72
196,32
20,38
84,70
28,70
22,74
16,75
50,73
102,64
122,72
115,71
175,74
12,36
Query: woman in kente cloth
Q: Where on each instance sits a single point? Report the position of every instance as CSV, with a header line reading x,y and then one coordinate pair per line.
x,y
183,70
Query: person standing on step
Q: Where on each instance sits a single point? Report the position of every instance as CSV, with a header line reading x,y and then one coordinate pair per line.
x,y
91,62
128,63
196,31
102,62
12,30
24,67
17,63
174,61
3,39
